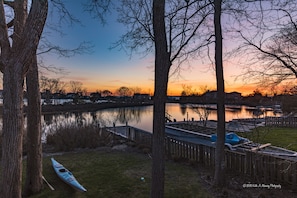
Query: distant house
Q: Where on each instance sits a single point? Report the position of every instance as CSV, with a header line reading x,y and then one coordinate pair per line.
x,y
210,95
71,95
95,96
58,95
141,97
173,98
233,97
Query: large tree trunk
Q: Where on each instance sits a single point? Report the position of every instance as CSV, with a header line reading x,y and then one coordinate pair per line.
x,y
220,144
162,65
16,55
13,124
33,182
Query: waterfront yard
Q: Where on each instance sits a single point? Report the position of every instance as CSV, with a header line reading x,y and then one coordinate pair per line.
x,y
283,137
109,173
106,172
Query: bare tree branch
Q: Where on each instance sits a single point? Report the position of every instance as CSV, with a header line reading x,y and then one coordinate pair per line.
x,y
98,8
59,7
267,36
183,20
83,48
270,54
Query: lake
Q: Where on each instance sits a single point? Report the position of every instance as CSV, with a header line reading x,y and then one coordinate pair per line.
x,y
142,117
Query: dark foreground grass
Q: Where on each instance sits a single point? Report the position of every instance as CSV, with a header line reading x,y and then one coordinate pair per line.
x,y
118,174
282,137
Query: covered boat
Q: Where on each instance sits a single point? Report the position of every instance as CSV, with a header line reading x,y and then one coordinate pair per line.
x,y
230,138
66,176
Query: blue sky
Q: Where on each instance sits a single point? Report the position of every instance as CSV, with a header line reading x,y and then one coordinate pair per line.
x,y
104,68
107,68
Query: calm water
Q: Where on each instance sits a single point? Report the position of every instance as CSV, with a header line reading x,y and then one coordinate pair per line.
x,y
141,117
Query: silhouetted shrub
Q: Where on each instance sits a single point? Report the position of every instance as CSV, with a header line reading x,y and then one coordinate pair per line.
x,y
69,137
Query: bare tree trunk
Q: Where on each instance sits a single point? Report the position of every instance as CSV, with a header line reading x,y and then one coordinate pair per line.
x,y
13,123
220,144
33,182
16,54
162,66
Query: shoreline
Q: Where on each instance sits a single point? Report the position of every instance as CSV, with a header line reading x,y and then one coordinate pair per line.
x,y
73,108
52,109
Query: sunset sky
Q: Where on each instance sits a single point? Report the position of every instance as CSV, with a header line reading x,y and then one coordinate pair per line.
x,y
110,69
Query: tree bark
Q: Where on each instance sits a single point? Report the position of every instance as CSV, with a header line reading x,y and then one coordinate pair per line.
x,y
162,66
16,55
220,144
13,124
34,181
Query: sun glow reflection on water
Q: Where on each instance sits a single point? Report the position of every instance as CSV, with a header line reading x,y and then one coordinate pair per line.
x,y
142,117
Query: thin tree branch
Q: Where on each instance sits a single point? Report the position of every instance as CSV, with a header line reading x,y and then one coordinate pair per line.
x,y
284,63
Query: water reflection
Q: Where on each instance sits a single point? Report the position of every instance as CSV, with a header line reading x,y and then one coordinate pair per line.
x,y
142,117
107,117
183,109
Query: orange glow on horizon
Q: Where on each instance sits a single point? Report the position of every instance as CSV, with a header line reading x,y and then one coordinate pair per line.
x,y
172,91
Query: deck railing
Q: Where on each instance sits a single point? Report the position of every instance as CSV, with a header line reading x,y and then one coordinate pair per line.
x,y
262,167
281,121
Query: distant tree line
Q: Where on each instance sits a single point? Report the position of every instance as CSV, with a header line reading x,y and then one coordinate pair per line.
x,y
54,88
284,94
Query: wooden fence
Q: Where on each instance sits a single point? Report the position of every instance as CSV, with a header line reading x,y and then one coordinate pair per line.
x,y
137,135
281,121
263,168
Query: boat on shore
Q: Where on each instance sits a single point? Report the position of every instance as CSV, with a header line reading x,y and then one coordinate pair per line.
x,y
189,131
66,176
230,138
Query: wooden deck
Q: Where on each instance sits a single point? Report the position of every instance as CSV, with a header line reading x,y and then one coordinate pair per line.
x,y
262,167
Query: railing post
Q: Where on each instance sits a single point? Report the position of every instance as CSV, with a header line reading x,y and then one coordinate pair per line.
x,y
266,168
168,144
294,177
201,154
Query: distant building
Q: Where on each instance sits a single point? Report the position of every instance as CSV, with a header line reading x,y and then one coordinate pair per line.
x,y
71,95
173,98
141,97
210,95
95,96
233,97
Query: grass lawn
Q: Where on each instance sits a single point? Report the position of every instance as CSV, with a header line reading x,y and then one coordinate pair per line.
x,y
118,174
282,137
